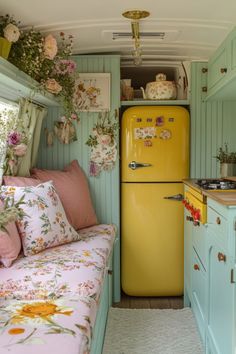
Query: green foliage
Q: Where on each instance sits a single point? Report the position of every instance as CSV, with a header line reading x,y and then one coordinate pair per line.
x,y
224,156
11,212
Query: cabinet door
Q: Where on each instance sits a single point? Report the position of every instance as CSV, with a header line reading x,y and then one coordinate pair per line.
x,y
199,293
217,67
188,225
220,299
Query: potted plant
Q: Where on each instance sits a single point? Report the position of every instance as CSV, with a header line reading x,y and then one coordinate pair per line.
x,y
227,161
9,33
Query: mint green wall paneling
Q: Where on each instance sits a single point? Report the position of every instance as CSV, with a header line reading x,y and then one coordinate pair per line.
x,y
105,188
212,124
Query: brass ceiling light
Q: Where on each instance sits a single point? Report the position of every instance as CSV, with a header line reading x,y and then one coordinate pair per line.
x,y
135,16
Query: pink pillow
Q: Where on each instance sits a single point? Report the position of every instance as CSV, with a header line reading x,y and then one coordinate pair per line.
x,y
73,190
20,181
10,244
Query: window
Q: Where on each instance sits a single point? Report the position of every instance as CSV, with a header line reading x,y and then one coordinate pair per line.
x,y
8,121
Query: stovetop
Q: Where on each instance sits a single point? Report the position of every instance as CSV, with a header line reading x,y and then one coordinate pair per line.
x,y
216,184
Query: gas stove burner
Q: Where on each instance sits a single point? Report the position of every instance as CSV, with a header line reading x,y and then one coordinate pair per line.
x,y
216,184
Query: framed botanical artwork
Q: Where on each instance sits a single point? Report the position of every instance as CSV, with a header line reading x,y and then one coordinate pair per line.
x,y
92,92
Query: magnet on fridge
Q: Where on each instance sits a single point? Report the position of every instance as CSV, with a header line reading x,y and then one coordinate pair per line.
x,y
160,121
147,143
165,134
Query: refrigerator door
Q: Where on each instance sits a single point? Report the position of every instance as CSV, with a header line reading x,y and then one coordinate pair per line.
x,y
152,239
155,144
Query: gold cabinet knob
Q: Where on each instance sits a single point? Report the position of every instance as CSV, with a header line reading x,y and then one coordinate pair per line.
x,y
218,220
223,70
196,267
221,257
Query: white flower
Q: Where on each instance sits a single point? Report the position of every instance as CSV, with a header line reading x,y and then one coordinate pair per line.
x,y
11,33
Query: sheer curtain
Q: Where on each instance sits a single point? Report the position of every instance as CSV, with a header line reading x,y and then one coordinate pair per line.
x,y
31,117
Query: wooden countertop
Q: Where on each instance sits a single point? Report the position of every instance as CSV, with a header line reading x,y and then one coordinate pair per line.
x,y
227,198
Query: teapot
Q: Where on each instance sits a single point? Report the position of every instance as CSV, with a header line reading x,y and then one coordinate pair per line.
x,y
160,89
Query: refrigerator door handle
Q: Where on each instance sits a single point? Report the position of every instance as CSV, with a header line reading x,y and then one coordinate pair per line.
x,y
178,197
133,165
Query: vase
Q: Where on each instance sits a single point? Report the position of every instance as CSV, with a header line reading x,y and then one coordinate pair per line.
x,y
227,169
5,47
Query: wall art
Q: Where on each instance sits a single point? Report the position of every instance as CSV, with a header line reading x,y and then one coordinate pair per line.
x,y
92,92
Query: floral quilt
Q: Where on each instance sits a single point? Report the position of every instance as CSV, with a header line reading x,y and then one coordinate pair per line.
x,y
51,298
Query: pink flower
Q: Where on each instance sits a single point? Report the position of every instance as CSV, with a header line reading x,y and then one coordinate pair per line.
x,y
20,150
53,86
74,116
50,47
65,66
13,138
104,139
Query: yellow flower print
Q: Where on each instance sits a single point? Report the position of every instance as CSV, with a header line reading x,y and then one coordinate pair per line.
x,y
43,311
87,253
14,331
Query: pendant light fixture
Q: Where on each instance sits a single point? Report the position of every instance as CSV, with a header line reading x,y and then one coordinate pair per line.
x,y
135,16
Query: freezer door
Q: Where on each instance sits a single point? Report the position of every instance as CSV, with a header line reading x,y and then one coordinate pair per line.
x,y
152,239
155,143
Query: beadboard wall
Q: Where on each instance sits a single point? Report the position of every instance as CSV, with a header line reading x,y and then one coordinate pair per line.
x,y
105,188
213,123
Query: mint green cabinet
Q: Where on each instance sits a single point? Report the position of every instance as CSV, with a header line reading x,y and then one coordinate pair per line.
x,y
210,275
199,293
187,258
222,71
221,317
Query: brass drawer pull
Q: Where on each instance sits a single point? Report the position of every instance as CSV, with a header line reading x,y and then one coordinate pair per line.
x,y
110,272
218,220
196,267
223,70
221,257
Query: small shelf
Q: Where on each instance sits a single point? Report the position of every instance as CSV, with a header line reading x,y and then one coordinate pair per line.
x,y
142,102
15,84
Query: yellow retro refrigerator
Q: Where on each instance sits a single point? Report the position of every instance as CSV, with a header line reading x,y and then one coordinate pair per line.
x,y
155,160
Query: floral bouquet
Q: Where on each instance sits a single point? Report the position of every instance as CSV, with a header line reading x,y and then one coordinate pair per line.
x,y
47,61
9,28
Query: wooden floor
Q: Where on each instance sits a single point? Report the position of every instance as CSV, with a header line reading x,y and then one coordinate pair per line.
x,y
133,302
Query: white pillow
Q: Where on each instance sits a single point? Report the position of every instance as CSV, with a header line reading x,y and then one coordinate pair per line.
x,y
46,224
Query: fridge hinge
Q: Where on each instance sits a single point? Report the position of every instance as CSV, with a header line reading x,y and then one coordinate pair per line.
x,y
204,89
204,70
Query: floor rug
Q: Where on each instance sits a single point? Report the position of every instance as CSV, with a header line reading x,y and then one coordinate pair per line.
x,y
144,331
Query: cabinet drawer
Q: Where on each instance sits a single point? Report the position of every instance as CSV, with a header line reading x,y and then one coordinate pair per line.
x,y
199,293
217,226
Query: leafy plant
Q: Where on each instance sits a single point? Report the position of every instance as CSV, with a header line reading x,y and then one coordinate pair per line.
x,y
11,212
224,156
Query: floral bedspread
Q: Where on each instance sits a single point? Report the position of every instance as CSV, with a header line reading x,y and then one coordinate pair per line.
x,y
51,298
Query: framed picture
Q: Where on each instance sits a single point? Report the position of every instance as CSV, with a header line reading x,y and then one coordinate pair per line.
x,y
92,92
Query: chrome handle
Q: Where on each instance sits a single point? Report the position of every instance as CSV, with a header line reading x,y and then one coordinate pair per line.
x,y
133,165
179,197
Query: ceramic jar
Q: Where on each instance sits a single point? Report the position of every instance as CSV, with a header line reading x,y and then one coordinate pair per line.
x,y
160,89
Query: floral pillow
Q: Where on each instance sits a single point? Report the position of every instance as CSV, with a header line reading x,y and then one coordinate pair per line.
x,y
45,224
